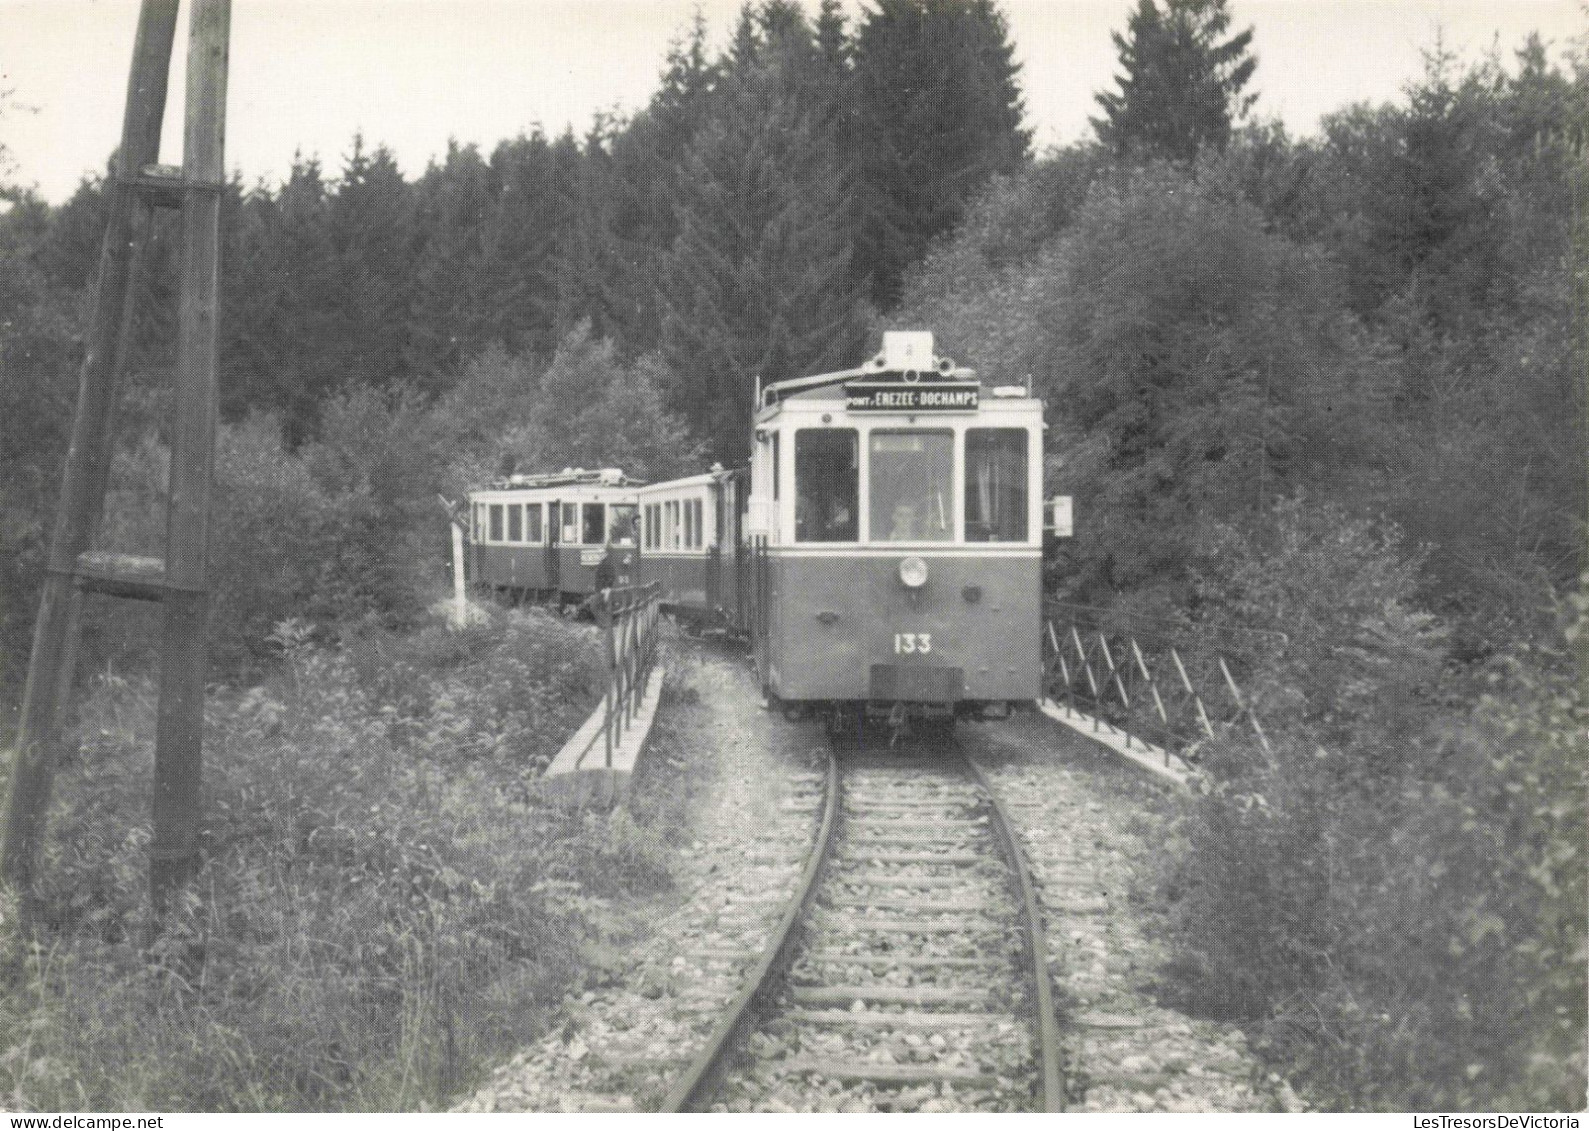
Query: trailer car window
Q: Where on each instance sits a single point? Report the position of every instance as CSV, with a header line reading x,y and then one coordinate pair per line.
x,y
912,486
827,484
532,531
496,522
996,497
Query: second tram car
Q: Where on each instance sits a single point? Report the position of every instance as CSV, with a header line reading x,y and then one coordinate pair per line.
x,y
896,538
690,541
542,537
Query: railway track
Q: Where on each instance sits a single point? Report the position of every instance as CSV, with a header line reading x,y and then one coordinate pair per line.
x,y
908,971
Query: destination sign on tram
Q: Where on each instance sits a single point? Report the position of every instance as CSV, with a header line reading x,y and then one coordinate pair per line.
x,y
875,396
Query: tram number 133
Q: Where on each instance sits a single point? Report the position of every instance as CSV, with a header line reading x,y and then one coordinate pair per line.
x,y
906,643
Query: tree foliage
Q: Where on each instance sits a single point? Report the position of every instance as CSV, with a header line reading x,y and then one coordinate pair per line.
x,y
1453,217
1181,82
588,408
937,113
1392,890
38,365
758,282
1201,366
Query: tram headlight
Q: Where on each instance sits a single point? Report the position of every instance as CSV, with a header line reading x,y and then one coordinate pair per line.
x,y
913,572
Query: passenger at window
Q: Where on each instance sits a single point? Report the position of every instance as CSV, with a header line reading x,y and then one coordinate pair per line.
x,y
904,528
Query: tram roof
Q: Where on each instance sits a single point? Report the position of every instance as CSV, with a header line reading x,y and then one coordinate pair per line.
x,y
568,477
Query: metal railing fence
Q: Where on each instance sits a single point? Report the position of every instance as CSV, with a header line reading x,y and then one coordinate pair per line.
x,y
628,620
1168,685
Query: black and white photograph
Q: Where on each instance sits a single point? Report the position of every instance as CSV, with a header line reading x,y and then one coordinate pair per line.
x,y
830,557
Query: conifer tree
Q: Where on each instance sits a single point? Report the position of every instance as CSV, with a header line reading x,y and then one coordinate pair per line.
x,y
937,114
1182,81
374,243
460,296
280,336
642,172
833,43
758,281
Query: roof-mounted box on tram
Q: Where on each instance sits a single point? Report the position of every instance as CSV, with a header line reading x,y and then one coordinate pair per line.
x,y
897,516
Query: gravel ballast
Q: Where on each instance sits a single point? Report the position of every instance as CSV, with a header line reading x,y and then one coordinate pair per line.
x,y
1090,825
619,1047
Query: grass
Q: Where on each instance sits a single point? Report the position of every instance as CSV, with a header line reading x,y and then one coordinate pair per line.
x,y
386,906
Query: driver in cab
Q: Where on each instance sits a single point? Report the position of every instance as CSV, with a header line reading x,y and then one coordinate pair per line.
x,y
904,527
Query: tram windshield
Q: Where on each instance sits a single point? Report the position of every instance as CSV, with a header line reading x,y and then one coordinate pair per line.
x,y
827,485
912,486
996,485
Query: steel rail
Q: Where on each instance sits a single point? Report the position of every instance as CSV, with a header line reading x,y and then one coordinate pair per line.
x,y
1047,1024
700,1077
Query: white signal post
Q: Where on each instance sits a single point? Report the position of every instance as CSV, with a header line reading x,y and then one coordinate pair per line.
x,y
460,602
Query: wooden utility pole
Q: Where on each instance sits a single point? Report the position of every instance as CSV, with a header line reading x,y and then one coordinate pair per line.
x,y
184,647
180,581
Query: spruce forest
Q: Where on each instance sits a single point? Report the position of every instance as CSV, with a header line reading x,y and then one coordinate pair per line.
x,y
1331,386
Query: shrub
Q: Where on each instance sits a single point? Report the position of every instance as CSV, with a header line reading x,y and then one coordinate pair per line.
x,y
1473,946
1391,891
384,905
1337,694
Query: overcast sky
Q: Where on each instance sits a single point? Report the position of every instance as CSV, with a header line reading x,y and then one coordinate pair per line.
x,y
307,74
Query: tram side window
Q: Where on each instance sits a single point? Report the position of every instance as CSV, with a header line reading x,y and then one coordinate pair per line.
x,y
496,522
570,522
827,485
595,524
912,486
532,525
996,496
515,523
700,526
621,524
